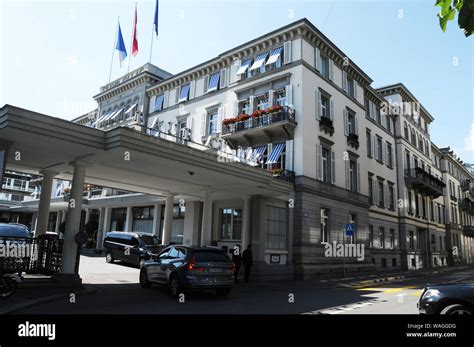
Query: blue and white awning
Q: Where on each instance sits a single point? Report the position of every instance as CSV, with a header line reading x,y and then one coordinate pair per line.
x,y
116,114
274,56
245,65
276,153
159,102
258,153
129,110
102,118
213,82
259,61
183,96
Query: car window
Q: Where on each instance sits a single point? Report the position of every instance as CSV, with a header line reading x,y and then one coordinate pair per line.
x,y
164,253
181,253
150,240
208,256
134,242
173,253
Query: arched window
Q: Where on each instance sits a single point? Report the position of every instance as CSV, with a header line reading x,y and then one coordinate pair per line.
x,y
405,131
413,137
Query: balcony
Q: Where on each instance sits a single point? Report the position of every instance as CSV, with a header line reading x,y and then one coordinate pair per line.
x,y
468,230
285,175
353,140
453,198
271,125
326,125
467,205
424,182
465,185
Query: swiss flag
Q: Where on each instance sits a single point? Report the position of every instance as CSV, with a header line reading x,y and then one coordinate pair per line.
x,y
135,41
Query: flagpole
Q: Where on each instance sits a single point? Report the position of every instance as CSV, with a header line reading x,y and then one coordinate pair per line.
x,y
153,30
151,45
113,49
131,42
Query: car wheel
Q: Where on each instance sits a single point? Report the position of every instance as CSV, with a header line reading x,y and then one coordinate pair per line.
x,y
175,287
141,263
457,309
144,282
109,258
223,292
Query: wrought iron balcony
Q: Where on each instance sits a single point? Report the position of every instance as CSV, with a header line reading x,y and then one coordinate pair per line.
x,y
271,125
468,230
353,140
424,182
326,125
465,185
467,205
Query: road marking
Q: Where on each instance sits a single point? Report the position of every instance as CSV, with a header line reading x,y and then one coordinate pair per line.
x,y
344,308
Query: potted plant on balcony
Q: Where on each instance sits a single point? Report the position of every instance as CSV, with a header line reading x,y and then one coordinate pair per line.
x,y
277,172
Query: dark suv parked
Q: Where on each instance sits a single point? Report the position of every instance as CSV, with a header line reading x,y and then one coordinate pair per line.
x,y
130,247
184,268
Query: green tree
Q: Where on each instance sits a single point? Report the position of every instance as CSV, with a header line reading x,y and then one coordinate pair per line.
x,y
465,9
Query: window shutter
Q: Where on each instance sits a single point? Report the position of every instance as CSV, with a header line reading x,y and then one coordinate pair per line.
x,y
385,196
356,130
233,72
374,191
333,167
151,107
318,105
206,84
289,94
346,125
166,97
344,81
287,52
203,125
270,98
192,89
289,155
317,59
331,110
383,121
319,168
235,108
348,185
331,70
358,177
190,126
355,89
251,104
386,154
374,146
220,117
223,79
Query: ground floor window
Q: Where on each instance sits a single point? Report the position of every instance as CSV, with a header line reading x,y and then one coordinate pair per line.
x,y
143,219
177,227
231,223
117,219
324,225
276,228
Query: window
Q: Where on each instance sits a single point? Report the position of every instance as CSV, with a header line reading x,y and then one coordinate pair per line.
x,y
371,190
142,218
259,62
213,82
158,103
117,219
367,108
351,123
276,228
410,210
275,60
384,262
388,123
378,116
324,225
405,131
353,175
382,237
353,221
392,238
231,224
244,107
181,131
379,149
262,101
280,97
244,70
413,138
423,207
389,155
417,206
350,87
368,136
326,158
212,119
184,93
394,262
407,160
371,236
380,194
325,66
411,239
391,197
325,106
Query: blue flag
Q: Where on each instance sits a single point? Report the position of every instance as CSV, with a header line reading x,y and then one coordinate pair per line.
x,y
120,46
155,21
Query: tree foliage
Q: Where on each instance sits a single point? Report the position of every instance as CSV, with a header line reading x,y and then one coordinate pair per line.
x,y
465,9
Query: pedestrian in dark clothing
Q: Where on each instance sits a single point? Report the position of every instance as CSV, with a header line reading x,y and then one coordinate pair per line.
x,y
247,261
237,259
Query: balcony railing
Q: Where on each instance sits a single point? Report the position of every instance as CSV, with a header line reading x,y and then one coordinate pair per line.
x,y
353,140
468,230
465,185
453,198
285,175
252,122
424,182
467,205
326,125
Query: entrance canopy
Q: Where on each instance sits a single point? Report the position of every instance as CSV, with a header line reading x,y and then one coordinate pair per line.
x,y
127,159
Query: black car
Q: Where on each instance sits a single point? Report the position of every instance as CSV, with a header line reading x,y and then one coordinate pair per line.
x,y
14,230
184,268
450,298
130,247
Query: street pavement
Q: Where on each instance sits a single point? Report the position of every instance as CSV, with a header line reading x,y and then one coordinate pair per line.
x,y
118,292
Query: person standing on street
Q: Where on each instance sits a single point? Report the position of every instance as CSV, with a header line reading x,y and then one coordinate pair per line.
x,y
247,260
237,259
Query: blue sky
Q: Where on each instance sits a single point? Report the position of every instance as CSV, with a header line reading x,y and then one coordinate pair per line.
x,y
54,55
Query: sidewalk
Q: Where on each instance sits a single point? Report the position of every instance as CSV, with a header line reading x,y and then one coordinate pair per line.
x,y
34,291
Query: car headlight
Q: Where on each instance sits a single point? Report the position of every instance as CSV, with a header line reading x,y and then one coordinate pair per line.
x,y
430,293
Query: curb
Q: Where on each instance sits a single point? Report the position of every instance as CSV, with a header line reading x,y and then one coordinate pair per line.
x,y
87,290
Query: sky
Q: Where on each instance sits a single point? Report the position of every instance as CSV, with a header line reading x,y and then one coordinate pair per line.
x,y
55,55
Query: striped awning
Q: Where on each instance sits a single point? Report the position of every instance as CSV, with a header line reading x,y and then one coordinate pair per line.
x,y
183,96
258,152
274,56
259,61
115,115
276,153
130,108
102,118
213,82
245,65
